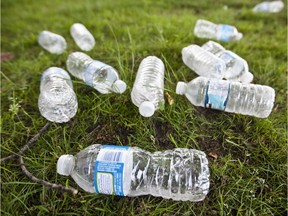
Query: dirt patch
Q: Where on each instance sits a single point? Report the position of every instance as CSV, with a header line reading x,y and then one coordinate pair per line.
x,y
214,146
104,133
162,131
7,56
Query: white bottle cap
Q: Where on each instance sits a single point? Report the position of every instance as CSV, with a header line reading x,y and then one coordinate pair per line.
x,y
147,109
181,88
247,78
65,164
119,86
238,36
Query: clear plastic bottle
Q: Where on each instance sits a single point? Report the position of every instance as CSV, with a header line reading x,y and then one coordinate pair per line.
x,y
234,97
213,47
57,101
82,37
96,74
148,89
203,62
178,174
236,67
207,29
269,7
52,42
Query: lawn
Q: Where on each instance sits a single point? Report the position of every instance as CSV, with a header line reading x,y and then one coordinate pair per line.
x,y
249,175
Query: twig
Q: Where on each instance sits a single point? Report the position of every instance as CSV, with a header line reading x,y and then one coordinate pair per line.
x,y
45,183
28,144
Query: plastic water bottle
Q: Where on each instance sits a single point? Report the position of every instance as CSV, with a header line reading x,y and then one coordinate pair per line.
x,y
204,63
234,97
148,89
82,37
269,7
236,67
222,32
178,174
96,74
213,47
57,101
52,42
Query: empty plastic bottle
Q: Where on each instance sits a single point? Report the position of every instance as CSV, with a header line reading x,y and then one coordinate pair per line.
x,y
204,63
52,42
236,67
82,37
269,7
213,47
206,29
148,89
57,101
178,174
234,97
96,74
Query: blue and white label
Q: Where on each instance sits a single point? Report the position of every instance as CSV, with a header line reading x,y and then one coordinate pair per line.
x,y
109,170
225,32
217,94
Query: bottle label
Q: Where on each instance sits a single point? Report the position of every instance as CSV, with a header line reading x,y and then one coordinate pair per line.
x,y
225,32
217,94
109,170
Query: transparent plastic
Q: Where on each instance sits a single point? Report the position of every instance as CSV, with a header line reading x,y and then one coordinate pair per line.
x,y
178,174
52,42
57,101
203,62
147,92
222,32
236,67
269,7
213,47
234,97
82,37
96,74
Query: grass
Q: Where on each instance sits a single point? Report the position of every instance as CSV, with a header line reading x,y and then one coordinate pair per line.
x,y
249,175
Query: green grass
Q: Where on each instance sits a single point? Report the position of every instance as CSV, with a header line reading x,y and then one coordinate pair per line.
x,y
249,176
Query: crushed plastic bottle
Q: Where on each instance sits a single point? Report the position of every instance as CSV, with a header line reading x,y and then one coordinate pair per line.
x,y
236,67
222,32
57,101
234,97
96,74
148,89
52,42
204,63
82,37
269,7
178,174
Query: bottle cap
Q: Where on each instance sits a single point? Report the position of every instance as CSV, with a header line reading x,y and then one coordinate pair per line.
x,y
119,86
239,36
147,109
181,88
65,164
247,78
